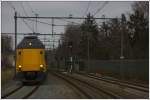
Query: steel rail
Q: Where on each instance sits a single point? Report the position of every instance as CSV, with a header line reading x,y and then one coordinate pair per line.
x,y
73,84
140,85
30,93
112,95
113,81
17,89
11,92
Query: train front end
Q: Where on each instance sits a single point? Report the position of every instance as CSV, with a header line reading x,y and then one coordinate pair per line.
x,y
30,62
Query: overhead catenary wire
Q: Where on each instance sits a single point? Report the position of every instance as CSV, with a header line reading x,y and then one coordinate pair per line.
x,y
69,21
44,22
88,6
34,13
28,25
12,7
10,4
99,9
27,15
32,29
48,23
24,9
51,24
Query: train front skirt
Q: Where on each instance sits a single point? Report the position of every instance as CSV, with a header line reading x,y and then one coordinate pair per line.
x,y
31,76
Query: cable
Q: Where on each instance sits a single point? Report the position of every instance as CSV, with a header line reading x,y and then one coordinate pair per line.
x,y
99,9
45,22
19,14
51,24
87,8
32,29
34,13
69,21
39,22
10,4
28,26
48,23
24,9
31,8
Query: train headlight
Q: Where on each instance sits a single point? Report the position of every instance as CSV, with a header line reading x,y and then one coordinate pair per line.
x,y
19,66
41,66
30,43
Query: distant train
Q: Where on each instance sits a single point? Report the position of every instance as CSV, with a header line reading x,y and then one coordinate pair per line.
x,y
31,61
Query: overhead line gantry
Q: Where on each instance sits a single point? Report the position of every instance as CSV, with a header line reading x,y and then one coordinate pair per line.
x,y
63,17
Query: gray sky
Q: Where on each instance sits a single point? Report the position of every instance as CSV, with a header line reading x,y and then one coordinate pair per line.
x,y
77,9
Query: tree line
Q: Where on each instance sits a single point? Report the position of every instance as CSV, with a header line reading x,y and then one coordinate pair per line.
x,y
6,51
94,40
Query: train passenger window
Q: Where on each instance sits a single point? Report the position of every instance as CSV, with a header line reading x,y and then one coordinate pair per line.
x,y
41,52
19,52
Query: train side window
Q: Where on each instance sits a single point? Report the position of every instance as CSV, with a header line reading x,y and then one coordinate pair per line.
x,y
19,52
41,52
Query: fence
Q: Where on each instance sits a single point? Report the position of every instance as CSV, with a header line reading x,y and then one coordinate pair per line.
x,y
134,69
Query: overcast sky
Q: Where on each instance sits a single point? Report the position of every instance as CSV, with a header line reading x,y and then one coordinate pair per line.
x,y
77,9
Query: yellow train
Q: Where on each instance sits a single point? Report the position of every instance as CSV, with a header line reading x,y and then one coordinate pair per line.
x,y
30,61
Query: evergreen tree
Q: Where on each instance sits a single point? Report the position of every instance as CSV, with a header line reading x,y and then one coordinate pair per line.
x,y
139,35
89,38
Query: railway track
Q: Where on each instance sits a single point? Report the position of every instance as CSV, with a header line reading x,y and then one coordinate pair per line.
x,y
72,84
21,92
118,82
89,90
12,91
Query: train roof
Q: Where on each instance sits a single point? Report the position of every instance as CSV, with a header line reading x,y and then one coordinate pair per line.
x,y
30,42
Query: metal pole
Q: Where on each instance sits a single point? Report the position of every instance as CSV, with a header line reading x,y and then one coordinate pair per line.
x,y
121,53
122,45
52,26
71,60
58,56
53,40
15,17
88,53
71,65
36,21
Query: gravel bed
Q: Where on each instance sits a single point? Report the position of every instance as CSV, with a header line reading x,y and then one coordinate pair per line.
x,y
54,88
